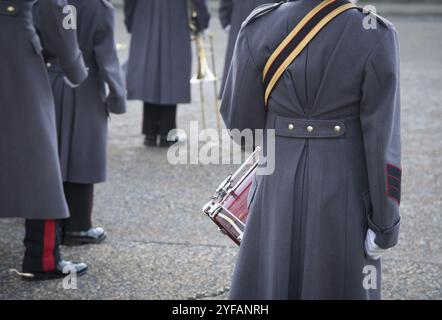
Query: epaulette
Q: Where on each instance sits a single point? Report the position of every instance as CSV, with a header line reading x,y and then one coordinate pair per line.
x,y
379,18
261,11
107,4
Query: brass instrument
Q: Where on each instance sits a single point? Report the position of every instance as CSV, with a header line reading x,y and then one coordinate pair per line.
x,y
204,73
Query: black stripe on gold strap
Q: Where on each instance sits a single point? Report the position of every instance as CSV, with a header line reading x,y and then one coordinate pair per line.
x,y
299,38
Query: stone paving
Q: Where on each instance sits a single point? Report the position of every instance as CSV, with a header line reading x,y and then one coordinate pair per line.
x,y
161,246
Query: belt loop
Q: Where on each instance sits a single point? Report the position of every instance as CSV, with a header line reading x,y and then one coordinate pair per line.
x,y
309,128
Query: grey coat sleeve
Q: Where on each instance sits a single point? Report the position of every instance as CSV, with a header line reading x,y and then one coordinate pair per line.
x,y
108,64
63,41
129,11
203,15
225,12
380,120
242,104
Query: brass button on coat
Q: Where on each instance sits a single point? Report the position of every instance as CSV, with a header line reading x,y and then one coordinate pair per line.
x,y
291,127
310,129
10,9
337,129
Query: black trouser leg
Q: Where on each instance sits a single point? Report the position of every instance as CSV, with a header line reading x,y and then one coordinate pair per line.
x,y
80,199
159,119
42,245
151,117
167,121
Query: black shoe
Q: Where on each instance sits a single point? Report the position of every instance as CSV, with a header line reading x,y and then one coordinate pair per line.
x,y
150,141
78,238
62,270
167,143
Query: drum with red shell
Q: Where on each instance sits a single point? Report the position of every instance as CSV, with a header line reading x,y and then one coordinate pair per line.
x,y
228,207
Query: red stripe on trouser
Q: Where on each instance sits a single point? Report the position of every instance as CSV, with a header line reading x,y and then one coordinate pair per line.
x,y
49,246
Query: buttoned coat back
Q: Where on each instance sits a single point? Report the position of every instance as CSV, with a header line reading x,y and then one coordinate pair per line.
x,y
30,177
308,220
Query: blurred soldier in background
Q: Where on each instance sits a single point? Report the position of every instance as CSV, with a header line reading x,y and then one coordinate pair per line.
x,y
159,66
82,115
232,13
30,178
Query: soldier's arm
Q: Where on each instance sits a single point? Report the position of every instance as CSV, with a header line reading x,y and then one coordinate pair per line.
x,y
203,15
380,120
225,12
242,104
129,11
62,40
107,60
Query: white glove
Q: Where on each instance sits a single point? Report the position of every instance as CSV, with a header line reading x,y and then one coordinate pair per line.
x,y
371,248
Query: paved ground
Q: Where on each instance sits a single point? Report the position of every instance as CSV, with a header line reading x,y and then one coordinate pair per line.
x,y
162,247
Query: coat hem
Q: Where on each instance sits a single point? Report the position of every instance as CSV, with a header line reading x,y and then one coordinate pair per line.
x,y
160,102
33,217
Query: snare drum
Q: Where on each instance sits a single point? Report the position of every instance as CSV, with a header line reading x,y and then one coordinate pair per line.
x,y
228,207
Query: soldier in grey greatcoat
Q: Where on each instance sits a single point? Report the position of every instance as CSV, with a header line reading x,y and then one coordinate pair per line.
x,y
232,14
319,223
30,177
159,66
82,115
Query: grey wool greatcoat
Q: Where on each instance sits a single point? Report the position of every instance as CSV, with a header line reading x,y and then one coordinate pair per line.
x,y
159,66
30,177
82,112
308,220
233,13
